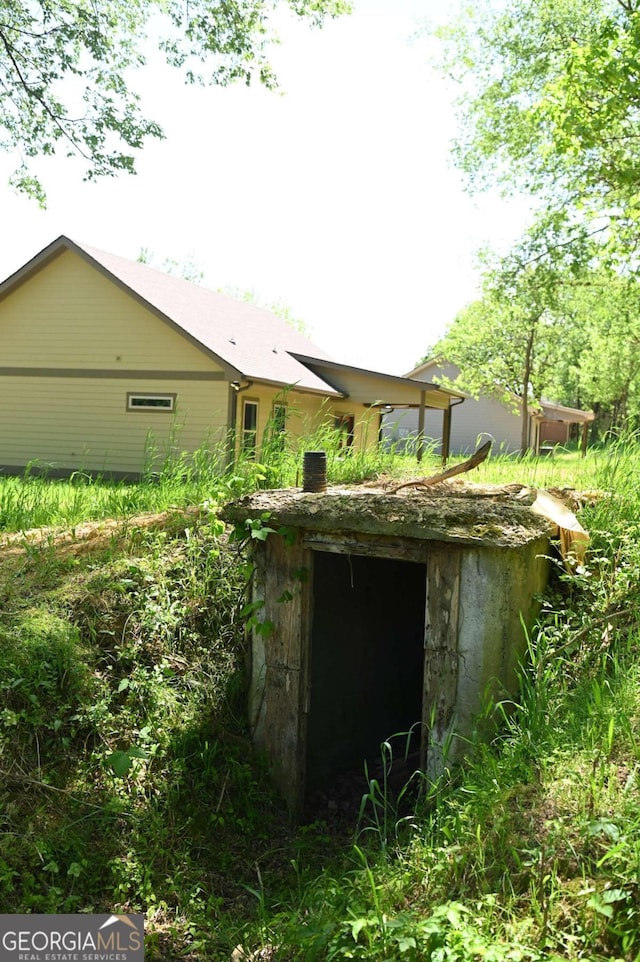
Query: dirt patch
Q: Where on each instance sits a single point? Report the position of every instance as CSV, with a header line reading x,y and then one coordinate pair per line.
x,y
90,535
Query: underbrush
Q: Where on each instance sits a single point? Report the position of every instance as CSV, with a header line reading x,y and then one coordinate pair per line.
x,y
36,499
532,850
128,781
126,776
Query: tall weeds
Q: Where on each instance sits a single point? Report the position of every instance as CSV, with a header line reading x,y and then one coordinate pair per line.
x,y
532,850
173,477
127,781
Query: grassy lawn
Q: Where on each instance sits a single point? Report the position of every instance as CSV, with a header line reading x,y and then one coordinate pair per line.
x,y
128,782
33,501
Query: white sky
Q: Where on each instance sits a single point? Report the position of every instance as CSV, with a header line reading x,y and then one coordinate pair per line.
x,y
336,196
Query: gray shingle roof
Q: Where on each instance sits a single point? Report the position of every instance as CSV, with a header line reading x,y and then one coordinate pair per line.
x,y
248,341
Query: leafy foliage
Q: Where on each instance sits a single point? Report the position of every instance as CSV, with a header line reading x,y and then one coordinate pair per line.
x,y
600,361
548,106
65,69
550,95
127,781
506,344
575,342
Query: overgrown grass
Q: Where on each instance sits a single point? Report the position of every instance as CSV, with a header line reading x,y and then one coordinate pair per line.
x,y
127,780
533,850
35,500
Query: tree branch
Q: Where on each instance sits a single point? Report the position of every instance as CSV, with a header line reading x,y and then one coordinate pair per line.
x,y
40,99
477,458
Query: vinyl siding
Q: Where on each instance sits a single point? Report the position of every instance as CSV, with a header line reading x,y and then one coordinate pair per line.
x,y
367,390
311,414
472,422
70,315
70,318
82,423
367,424
302,409
467,430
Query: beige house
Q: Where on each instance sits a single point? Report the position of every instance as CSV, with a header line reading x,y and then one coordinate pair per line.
x,y
108,366
484,418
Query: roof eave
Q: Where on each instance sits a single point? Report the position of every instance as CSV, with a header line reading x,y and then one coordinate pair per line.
x,y
300,388
43,257
312,362
432,362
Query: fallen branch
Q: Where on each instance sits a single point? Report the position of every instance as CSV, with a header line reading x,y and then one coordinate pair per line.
x,y
477,458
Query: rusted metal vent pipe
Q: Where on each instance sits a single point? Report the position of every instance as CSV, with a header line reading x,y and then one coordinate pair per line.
x,y
314,471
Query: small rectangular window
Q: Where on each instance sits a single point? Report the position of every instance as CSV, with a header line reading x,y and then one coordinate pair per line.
x,y
151,402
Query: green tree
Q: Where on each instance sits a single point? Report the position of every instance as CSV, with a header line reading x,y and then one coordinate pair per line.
x,y
550,97
577,342
600,363
549,102
187,269
506,343
65,68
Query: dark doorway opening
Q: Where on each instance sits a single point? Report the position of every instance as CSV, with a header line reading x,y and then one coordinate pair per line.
x,y
367,651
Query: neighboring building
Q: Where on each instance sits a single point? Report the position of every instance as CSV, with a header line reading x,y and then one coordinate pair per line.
x,y
107,364
482,419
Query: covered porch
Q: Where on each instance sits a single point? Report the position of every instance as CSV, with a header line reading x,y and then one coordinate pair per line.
x,y
552,423
382,392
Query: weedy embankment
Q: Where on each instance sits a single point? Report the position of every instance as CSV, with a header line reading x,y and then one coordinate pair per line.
x,y
127,781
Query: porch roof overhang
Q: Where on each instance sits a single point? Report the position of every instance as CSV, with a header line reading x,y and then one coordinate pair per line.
x,y
550,411
375,389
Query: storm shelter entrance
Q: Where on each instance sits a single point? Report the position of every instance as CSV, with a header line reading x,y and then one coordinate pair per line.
x,y
366,665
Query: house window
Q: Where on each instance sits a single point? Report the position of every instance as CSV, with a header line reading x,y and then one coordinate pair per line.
x,y
345,426
249,428
151,402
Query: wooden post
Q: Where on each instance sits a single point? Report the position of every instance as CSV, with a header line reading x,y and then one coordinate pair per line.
x,y
440,692
585,436
446,435
420,445
279,692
